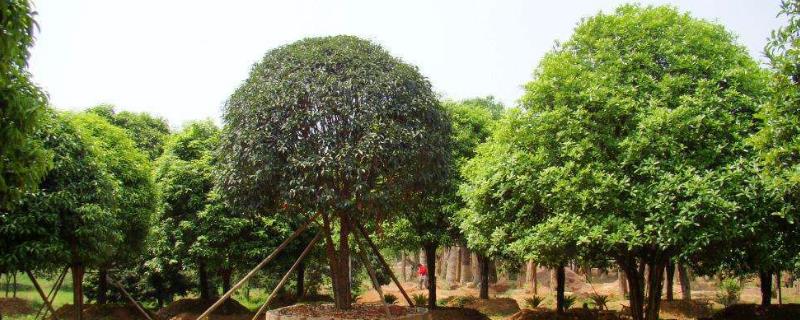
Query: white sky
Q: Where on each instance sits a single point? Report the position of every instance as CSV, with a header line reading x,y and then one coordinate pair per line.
x,y
182,59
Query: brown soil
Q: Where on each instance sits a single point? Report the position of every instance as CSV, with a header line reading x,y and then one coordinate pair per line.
x,y
686,309
572,314
752,311
358,311
14,306
457,314
497,306
194,307
102,312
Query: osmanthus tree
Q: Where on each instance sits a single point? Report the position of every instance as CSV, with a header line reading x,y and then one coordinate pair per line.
x,y
645,107
134,208
23,160
184,178
336,126
148,131
71,218
432,223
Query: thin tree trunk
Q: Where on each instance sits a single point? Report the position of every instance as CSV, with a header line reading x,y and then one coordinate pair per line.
x,y
560,281
635,286
623,282
300,289
778,287
202,281
655,278
77,290
483,261
342,259
765,278
466,266
226,279
403,265
492,271
430,261
14,275
452,266
670,280
685,281
102,286
476,269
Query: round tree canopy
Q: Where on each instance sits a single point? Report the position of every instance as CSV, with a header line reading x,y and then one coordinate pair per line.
x,y
334,124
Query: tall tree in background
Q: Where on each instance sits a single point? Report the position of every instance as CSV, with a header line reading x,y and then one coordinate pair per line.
x,y
334,125
23,160
149,132
647,106
184,178
130,169
72,218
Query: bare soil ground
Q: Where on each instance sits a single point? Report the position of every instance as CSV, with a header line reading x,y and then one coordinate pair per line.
x,y
573,314
102,312
185,309
359,311
15,306
752,311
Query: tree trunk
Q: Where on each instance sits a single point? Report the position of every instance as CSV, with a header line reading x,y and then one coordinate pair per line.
x,y
430,261
483,261
403,265
466,266
765,277
202,281
340,262
685,281
452,266
476,269
492,271
77,289
300,282
560,280
777,287
226,279
102,286
635,286
623,282
670,280
14,292
655,278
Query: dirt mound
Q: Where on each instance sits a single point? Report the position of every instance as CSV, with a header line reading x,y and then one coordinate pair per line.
x,y
197,306
686,308
752,311
457,314
358,311
498,306
14,306
102,312
572,314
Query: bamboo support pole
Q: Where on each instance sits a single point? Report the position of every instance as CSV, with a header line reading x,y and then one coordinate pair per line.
x,y
363,257
288,274
127,295
41,293
383,262
52,295
261,265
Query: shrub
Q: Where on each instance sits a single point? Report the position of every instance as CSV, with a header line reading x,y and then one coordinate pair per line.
x,y
600,301
569,301
534,302
460,301
419,299
729,291
390,298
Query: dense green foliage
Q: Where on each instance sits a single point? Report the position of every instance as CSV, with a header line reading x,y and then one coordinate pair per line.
x,y
333,125
23,161
149,132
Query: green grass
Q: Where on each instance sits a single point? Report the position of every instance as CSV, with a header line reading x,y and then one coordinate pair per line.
x,y
26,291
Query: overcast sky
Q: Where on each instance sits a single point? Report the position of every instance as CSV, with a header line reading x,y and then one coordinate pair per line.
x,y
182,59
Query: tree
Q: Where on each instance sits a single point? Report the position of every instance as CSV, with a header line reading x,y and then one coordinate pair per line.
x,y
333,125
430,225
23,160
71,218
184,178
130,169
778,149
149,132
645,107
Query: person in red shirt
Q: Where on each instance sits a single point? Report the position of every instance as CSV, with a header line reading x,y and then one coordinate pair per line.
x,y
423,276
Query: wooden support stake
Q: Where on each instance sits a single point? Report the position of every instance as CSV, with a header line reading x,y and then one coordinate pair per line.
x,y
383,261
52,295
375,284
41,293
250,274
127,295
288,274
